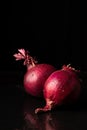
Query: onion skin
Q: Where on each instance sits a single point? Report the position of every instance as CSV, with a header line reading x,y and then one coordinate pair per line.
x,y
35,78
62,87
35,75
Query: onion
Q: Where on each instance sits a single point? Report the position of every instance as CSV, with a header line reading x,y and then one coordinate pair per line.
x,y
62,87
35,75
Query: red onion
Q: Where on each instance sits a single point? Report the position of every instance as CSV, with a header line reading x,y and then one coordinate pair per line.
x,y
62,86
35,75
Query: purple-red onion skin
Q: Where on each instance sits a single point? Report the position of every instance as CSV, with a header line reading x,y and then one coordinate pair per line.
x,y
35,78
60,85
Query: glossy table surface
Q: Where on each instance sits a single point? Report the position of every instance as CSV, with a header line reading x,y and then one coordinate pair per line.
x,y
17,108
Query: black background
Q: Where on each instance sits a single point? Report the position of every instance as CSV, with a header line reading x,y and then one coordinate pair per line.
x,y
53,32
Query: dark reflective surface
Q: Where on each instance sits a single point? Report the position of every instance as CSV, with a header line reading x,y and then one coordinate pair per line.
x,y
17,109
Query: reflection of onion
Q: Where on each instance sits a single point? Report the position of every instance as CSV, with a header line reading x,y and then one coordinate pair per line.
x,y
60,119
30,120
29,117
49,123
56,120
34,121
